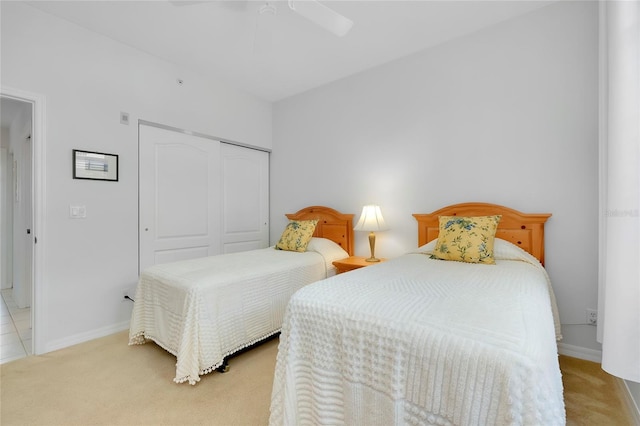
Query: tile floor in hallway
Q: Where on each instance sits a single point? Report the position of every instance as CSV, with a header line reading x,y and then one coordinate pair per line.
x,y
15,340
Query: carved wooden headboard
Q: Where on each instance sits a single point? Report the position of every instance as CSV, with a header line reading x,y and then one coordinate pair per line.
x,y
332,225
526,230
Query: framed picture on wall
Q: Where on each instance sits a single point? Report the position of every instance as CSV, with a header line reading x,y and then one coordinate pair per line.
x,y
95,165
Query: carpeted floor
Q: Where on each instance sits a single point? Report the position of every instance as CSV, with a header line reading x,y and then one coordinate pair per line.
x,y
107,382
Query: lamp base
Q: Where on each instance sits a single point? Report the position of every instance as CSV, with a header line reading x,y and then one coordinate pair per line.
x,y
372,246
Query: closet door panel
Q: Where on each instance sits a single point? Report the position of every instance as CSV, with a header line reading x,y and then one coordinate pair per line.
x,y
245,198
179,196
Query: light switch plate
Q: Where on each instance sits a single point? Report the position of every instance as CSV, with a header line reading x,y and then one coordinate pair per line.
x,y
77,212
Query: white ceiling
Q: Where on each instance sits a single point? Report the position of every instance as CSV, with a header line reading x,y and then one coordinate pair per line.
x,y
274,57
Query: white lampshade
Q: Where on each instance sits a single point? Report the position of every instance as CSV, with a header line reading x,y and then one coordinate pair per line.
x,y
371,220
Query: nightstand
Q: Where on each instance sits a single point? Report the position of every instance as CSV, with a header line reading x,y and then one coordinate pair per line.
x,y
353,262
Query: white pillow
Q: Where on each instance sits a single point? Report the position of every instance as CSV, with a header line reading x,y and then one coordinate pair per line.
x,y
428,248
328,249
508,251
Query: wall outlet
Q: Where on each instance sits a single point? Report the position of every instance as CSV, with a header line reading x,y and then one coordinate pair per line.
x,y
592,317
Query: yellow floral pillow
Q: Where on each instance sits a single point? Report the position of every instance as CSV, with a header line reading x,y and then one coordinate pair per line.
x,y
296,235
466,239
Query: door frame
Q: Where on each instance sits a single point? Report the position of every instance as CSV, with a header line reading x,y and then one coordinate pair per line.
x,y
38,173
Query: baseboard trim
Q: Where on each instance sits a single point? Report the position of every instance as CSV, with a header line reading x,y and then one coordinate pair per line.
x,y
631,404
86,336
580,352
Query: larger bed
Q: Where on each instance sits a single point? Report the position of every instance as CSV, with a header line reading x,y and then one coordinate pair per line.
x,y
418,340
204,310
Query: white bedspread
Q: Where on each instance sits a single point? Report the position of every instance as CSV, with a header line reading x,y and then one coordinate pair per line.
x,y
203,310
422,341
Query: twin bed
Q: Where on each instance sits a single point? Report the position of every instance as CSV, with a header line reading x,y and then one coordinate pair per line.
x,y
414,340
418,340
204,310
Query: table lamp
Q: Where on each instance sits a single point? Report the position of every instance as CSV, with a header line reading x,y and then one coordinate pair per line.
x,y
371,220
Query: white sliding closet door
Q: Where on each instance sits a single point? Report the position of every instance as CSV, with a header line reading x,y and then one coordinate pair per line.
x,y
179,196
245,198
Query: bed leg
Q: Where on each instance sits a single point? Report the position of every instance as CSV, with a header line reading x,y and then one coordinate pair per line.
x,y
224,367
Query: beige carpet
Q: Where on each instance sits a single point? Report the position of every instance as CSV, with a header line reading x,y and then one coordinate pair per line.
x,y
107,382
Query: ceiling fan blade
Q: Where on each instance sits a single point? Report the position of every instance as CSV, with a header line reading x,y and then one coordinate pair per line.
x,y
323,16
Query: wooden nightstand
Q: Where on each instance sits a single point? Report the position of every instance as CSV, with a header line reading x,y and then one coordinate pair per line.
x,y
353,262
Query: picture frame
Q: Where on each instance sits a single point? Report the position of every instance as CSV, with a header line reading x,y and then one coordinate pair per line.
x,y
95,165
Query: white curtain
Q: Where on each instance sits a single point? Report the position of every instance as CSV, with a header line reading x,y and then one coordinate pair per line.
x,y
620,185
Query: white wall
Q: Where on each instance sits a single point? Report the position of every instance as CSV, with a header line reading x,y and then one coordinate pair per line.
x,y
87,80
507,115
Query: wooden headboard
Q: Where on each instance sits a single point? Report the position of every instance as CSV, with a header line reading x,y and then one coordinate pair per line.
x,y
332,224
526,230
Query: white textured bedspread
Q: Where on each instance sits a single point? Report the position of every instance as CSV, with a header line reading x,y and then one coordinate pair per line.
x,y
203,310
421,341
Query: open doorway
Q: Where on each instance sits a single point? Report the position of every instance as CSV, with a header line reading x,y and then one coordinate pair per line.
x,y
16,227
